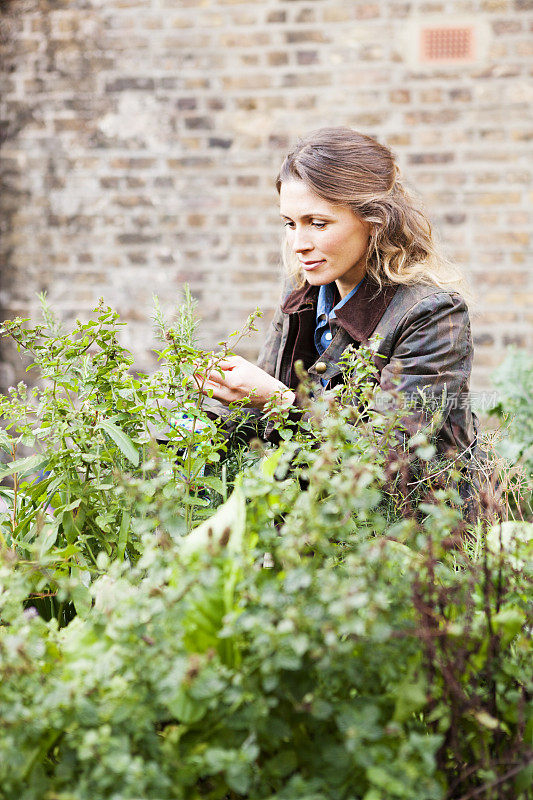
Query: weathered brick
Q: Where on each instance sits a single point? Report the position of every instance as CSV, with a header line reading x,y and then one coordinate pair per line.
x,y
430,158
399,139
462,95
336,13
132,201
305,79
367,10
249,59
135,238
438,117
276,16
240,39
495,5
305,15
504,27
307,57
253,81
497,318
483,339
62,125
517,340
400,10
400,96
302,36
187,103
278,58
215,103
199,123
493,198
456,218
247,180
132,162
218,142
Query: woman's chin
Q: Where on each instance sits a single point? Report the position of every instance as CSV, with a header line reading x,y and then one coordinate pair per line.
x,y
316,280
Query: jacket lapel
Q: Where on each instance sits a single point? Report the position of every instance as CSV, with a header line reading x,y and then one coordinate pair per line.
x,y
301,299
359,316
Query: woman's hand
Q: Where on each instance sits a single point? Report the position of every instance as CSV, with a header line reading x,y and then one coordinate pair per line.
x,y
234,378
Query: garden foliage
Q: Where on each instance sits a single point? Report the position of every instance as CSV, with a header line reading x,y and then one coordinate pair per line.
x,y
199,619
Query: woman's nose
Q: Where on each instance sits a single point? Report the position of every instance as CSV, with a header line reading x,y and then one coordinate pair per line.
x,y
301,241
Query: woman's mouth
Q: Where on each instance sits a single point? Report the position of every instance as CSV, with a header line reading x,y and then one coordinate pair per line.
x,y
309,265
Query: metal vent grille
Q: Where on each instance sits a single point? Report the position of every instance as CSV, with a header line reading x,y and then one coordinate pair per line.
x,y
447,44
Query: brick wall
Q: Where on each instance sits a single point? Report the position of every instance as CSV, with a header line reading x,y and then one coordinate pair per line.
x,y
143,138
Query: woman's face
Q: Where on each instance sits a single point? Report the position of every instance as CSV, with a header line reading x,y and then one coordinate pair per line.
x,y
329,240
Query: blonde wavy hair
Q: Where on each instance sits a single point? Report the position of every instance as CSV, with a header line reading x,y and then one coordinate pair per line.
x,y
345,167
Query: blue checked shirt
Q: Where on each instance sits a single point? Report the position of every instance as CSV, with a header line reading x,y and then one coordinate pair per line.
x,y
325,311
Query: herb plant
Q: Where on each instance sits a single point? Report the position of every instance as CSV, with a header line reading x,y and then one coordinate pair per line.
x,y
323,633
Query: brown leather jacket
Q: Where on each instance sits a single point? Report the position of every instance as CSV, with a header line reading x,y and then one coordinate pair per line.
x,y
421,337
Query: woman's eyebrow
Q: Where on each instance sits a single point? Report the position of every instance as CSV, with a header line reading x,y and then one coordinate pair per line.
x,y
310,216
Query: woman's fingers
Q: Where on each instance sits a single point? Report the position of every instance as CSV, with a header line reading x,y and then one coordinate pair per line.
x,y
219,391
215,377
230,363
217,372
208,374
235,379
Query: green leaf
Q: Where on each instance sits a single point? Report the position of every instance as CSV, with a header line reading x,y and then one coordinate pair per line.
x,y
214,483
510,621
282,764
411,696
70,507
122,441
185,709
270,463
228,521
80,593
487,720
384,780
47,538
524,779
23,465
70,529
123,535
6,442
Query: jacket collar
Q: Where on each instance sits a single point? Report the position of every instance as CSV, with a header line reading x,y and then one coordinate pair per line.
x,y
359,316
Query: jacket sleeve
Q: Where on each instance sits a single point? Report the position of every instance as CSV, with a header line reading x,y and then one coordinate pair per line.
x,y
431,358
268,355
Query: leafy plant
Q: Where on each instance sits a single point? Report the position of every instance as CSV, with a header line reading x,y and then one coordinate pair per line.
x,y
514,444
92,419
367,661
514,381
325,633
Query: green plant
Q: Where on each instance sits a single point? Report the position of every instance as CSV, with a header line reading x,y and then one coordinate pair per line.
x,y
324,633
92,419
513,380
367,661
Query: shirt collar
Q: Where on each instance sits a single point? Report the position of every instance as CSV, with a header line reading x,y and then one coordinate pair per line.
x,y
326,300
326,306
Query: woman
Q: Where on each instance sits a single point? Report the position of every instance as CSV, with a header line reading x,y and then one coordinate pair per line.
x,y
363,264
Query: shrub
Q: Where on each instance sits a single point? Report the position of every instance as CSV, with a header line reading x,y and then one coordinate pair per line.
x,y
91,419
514,381
309,639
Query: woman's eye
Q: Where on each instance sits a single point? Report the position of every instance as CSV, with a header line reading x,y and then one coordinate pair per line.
x,y
314,223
